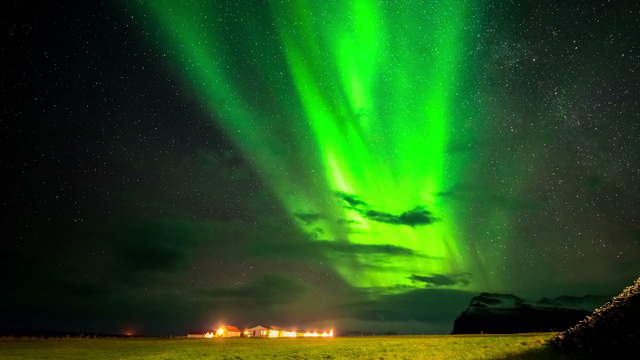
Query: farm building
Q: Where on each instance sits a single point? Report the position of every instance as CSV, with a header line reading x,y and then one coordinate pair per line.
x,y
257,331
272,332
228,331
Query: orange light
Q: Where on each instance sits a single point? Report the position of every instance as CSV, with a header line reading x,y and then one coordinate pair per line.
x,y
208,335
220,332
316,334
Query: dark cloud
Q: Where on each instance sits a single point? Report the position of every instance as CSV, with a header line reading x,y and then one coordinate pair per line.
x,y
347,221
350,248
270,289
438,280
308,218
156,245
353,200
415,217
324,248
429,305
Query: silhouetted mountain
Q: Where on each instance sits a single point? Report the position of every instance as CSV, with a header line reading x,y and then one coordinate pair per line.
x,y
505,313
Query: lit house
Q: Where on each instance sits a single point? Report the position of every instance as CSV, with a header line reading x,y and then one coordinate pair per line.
x,y
271,332
257,331
228,331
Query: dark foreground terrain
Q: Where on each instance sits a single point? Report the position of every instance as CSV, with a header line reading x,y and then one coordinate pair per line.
x,y
520,346
611,330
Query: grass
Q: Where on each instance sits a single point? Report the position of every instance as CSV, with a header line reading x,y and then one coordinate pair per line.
x,y
495,347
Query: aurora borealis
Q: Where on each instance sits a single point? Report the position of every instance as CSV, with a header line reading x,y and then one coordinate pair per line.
x,y
362,165
358,98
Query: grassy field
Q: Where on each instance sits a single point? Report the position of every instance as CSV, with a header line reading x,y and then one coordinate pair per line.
x,y
524,346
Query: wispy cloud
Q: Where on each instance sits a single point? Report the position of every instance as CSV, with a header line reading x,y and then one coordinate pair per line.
x,y
442,280
415,217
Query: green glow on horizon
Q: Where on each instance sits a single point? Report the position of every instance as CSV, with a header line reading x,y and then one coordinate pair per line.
x,y
367,95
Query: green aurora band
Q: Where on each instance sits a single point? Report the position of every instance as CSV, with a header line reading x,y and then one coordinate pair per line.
x,y
351,111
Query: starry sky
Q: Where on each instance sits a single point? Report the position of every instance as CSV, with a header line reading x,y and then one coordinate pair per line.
x,y
365,165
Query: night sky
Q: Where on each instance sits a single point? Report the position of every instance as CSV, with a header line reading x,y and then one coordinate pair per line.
x,y
365,165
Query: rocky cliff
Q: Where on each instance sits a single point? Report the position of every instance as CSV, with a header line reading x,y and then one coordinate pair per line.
x,y
505,313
